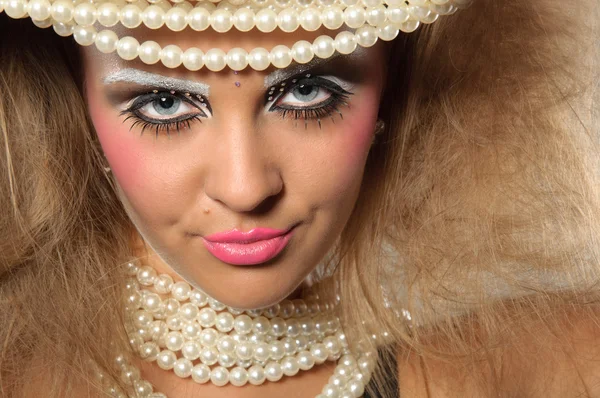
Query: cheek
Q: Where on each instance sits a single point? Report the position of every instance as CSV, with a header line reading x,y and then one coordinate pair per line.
x,y
139,175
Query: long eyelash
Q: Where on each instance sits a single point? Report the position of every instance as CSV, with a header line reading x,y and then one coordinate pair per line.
x,y
178,124
158,127
323,110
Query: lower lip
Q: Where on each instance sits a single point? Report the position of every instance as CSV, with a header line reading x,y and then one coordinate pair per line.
x,y
248,253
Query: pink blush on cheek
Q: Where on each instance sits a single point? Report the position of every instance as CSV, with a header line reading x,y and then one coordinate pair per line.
x,y
121,148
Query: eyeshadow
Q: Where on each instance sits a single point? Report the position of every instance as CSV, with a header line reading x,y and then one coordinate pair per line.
x,y
147,79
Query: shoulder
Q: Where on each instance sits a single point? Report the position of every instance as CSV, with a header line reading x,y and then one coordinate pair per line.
x,y
546,358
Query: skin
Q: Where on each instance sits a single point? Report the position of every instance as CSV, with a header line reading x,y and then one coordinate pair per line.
x,y
242,167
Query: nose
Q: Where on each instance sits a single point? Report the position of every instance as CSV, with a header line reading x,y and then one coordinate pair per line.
x,y
241,177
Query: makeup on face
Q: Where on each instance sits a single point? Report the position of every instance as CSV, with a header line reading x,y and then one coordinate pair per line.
x,y
306,92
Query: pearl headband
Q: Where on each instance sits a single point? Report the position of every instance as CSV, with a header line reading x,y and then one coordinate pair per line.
x,y
367,21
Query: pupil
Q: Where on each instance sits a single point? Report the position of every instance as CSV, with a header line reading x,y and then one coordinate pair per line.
x,y
305,90
167,102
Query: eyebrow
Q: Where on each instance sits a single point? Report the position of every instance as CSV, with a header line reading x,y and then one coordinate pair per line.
x,y
281,75
143,78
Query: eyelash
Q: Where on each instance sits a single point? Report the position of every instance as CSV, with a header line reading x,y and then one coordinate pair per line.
x,y
166,125
337,96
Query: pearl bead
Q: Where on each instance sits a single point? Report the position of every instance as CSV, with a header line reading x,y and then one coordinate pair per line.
x,y
163,282
84,35
221,20
174,322
142,388
302,52
243,19
354,16
174,341
190,330
409,26
219,376
431,18
305,360
176,19
244,350
332,345
261,325
243,323
238,376
131,16
330,391
149,52
310,19
149,351
172,306
62,11
319,353
259,60
146,275
366,36
85,14
191,350
181,290
39,9
356,388
293,327
63,29
261,351
207,316
166,359
256,375
188,311
288,20
215,60
276,350
323,47
193,60
289,366
332,17
209,337
108,15
153,17
151,301
266,20
376,16
199,19
171,57
106,41
226,345
273,371
16,9
209,356
388,32
183,367
201,373
237,59
397,15
281,57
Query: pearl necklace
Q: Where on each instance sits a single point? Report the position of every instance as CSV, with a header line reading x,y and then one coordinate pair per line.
x,y
368,20
196,336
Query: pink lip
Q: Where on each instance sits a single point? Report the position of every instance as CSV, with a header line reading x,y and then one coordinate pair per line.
x,y
247,248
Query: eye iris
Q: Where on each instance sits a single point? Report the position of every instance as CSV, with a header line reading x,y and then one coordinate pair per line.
x,y
167,105
306,92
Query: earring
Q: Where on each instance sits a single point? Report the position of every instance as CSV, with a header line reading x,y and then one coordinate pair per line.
x,y
379,127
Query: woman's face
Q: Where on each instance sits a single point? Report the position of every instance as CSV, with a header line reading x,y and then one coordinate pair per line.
x,y
239,188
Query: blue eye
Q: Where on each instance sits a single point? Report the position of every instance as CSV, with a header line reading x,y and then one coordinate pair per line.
x,y
166,105
165,111
309,98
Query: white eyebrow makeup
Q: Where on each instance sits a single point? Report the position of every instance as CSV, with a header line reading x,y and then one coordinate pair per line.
x,y
148,79
281,75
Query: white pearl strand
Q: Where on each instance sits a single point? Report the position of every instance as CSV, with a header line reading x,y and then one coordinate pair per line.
x,y
249,346
371,20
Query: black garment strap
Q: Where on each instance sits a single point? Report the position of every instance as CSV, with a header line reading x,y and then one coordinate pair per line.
x,y
391,368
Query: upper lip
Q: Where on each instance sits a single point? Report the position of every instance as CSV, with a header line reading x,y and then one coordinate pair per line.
x,y
254,235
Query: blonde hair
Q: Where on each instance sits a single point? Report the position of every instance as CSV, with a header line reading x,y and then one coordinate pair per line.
x,y
478,210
